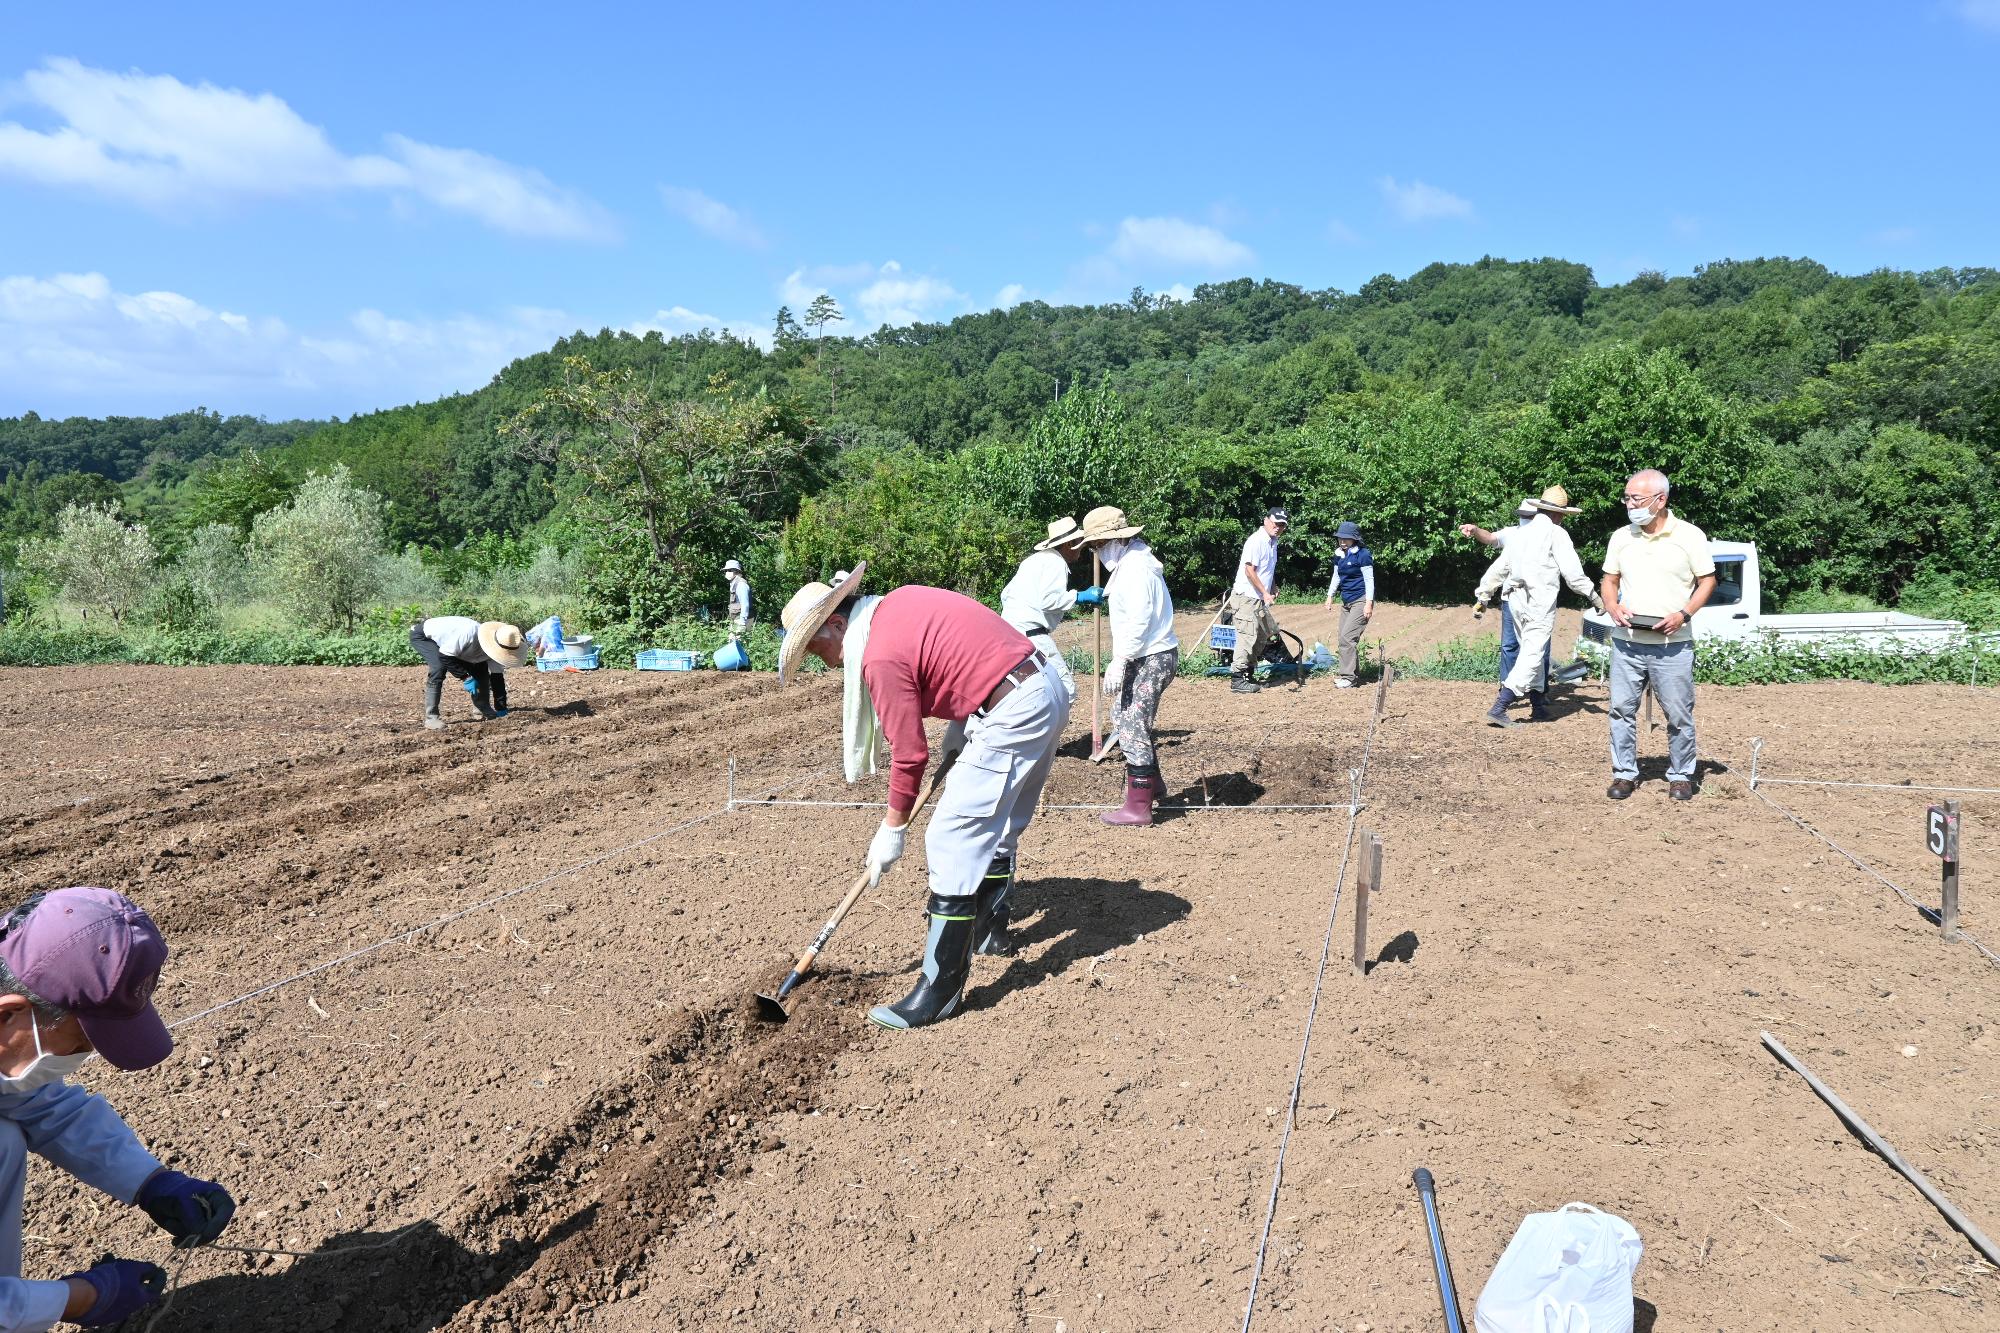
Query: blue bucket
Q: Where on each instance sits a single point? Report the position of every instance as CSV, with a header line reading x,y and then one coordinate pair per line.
x,y
731,657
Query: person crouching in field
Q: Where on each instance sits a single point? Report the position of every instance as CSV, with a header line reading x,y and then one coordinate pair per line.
x,y
1144,653
462,647
77,972
924,652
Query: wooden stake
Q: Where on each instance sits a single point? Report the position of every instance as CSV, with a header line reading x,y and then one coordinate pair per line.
x,y
1888,1154
1948,915
1097,657
1369,881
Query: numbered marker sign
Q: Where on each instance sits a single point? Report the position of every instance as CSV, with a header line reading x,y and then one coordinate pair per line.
x,y
1941,833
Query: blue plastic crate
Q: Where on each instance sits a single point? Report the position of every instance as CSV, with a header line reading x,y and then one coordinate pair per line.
x,y
572,658
667,659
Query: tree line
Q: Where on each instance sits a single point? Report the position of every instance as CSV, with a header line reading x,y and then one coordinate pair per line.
x,y
1846,423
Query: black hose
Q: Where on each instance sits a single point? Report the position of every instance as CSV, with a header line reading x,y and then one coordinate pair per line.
x,y
1447,1292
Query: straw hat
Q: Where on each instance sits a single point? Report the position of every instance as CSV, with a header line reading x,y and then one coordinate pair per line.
x,y
1555,500
732,567
1062,532
1106,523
806,613
503,643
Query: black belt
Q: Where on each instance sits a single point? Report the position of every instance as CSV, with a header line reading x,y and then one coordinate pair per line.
x,y
1022,672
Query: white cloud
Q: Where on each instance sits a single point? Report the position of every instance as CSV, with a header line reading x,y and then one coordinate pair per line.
x,y
1010,296
1341,234
712,216
72,342
1980,13
1418,202
896,299
678,320
174,148
873,296
1180,291
1144,241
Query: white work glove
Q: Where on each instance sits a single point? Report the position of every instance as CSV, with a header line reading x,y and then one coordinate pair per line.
x,y
1114,675
1597,602
884,850
952,742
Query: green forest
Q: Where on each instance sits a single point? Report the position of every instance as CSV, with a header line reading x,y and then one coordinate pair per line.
x,y
1847,424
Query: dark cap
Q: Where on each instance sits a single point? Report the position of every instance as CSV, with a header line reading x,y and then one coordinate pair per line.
x,y
1281,516
94,953
1350,530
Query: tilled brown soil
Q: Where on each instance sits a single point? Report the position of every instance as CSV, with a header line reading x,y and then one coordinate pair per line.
x,y
564,1093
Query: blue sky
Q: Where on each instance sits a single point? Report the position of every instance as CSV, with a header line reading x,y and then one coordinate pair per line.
x,y
259,208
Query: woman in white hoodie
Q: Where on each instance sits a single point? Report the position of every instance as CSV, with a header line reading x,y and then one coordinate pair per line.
x,y
1144,653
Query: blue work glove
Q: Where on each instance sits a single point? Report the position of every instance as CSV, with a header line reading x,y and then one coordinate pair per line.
x,y
1090,597
124,1287
471,685
193,1211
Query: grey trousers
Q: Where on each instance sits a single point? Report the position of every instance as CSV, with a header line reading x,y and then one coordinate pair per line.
x,y
1352,625
990,796
1669,669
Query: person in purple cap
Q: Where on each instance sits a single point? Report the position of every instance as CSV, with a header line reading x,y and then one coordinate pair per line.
x,y
77,971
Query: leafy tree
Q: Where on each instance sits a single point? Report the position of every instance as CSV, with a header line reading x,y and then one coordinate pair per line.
x,y
823,311
237,490
320,555
213,564
97,562
787,329
661,490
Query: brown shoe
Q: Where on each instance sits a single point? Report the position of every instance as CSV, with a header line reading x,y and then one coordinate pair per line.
x,y
1620,788
1680,791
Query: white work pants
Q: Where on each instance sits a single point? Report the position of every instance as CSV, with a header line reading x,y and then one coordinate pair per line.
x,y
1045,644
991,793
1535,622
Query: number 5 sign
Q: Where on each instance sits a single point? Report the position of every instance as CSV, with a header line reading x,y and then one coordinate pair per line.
x,y
1941,837
1941,831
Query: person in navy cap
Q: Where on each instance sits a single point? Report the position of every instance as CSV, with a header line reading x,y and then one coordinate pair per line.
x,y
77,972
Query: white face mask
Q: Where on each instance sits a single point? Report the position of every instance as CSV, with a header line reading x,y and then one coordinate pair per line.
x,y
43,1070
1639,517
1111,552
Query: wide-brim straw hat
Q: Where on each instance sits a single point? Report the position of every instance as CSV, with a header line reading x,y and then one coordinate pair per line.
x,y
806,613
1062,532
1555,500
1107,523
503,643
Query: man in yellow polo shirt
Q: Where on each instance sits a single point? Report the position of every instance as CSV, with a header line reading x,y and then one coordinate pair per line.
x,y
1657,574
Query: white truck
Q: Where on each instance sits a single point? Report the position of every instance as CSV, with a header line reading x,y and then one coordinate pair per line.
x,y
1736,612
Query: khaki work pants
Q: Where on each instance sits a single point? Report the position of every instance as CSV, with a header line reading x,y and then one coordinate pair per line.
x,y
1255,628
1352,625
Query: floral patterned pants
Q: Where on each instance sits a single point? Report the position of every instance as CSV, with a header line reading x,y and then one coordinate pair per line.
x,y
1139,703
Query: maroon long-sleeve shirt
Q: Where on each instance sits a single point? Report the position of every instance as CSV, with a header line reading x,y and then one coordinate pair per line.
x,y
931,653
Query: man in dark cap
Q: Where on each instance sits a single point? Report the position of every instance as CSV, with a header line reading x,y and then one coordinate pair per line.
x,y
77,972
1251,598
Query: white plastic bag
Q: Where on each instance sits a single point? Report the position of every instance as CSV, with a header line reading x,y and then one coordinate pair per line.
x,y
1569,1271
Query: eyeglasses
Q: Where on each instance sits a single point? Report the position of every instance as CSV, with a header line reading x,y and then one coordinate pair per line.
x,y
1636,500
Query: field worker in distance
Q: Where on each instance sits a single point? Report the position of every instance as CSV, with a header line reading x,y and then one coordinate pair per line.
x,y
739,600
1251,598
479,654
1037,598
1538,557
77,972
1510,634
922,652
1657,574
1144,653
1354,584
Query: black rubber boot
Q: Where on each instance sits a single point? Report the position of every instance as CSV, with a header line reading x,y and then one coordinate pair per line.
x,y
1538,706
1496,716
1240,683
498,681
947,961
481,697
433,695
989,934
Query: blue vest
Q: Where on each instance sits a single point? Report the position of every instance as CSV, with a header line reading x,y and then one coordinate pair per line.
x,y
1348,569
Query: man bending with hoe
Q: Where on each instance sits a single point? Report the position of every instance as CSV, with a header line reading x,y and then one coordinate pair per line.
x,y
77,972
917,653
